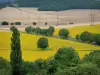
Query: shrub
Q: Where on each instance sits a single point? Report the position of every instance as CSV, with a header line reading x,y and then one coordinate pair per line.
x,y
42,43
46,23
28,29
33,30
5,23
12,24
34,23
63,33
18,23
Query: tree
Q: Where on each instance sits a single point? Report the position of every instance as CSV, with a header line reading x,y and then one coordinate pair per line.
x,y
97,39
77,36
86,36
51,30
93,57
5,23
16,54
12,28
28,29
87,69
42,43
37,30
18,23
66,57
63,33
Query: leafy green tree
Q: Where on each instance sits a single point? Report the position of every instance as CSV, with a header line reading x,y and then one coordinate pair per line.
x,y
28,29
5,23
87,69
86,36
51,30
93,57
16,54
42,43
37,30
18,23
63,33
77,36
33,30
66,57
12,28
97,39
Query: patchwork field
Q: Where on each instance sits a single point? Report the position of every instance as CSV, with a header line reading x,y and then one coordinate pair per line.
x,y
31,52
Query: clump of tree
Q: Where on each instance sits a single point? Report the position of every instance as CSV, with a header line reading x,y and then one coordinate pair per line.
x,y
42,43
17,23
16,54
5,23
38,31
63,33
88,37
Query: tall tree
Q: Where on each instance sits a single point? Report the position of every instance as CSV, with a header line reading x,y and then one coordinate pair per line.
x,y
16,54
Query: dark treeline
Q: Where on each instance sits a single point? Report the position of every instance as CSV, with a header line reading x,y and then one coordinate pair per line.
x,y
56,5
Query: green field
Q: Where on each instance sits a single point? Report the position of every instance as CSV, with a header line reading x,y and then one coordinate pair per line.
x,y
31,52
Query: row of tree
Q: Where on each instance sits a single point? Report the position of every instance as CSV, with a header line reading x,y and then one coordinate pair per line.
x,y
88,37
39,31
7,23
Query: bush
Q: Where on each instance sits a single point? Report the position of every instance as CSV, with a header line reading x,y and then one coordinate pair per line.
x,y
46,23
18,23
66,57
12,24
28,29
42,43
5,23
34,23
63,33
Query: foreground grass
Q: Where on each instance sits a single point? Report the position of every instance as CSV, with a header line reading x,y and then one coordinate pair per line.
x,y
31,52
79,29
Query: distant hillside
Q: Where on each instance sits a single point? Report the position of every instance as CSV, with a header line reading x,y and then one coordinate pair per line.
x,y
60,4
57,5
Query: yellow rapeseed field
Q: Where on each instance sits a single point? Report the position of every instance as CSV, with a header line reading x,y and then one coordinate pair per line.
x,y
30,51
79,29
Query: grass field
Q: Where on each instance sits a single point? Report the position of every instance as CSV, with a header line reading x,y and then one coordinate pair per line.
x,y
79,29
31,52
